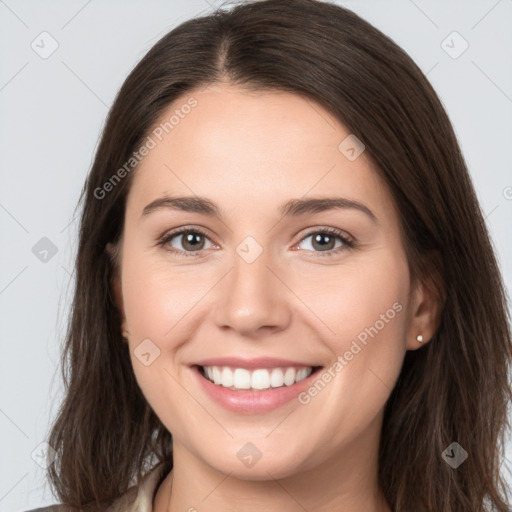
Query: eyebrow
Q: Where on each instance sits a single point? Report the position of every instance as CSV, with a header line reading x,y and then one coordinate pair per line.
x,y
291,208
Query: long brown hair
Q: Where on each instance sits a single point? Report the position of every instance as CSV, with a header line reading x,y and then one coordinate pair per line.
x,y
454,389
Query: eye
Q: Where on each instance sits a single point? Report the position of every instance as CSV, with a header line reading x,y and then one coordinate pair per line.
x,y
324,241
192,241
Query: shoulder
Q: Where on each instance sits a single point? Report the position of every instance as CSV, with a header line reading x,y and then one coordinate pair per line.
x,y
140,498
49,508
136,498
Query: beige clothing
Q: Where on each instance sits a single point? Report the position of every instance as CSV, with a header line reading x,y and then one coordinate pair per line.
x,y
133,500
140,499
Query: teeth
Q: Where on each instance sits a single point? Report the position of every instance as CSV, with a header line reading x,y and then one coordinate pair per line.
x,y
217,378
227,377
289,376
241,379
258,379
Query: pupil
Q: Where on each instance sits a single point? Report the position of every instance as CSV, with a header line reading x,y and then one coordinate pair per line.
x,y
192,239
321,239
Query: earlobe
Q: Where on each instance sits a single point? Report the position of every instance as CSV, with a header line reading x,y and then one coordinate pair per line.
x,y
427,306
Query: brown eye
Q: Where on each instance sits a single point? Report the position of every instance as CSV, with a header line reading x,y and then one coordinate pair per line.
x,y
185,242
324,241
192,241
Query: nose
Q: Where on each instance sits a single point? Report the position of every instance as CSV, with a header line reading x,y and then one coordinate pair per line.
x,y
253,298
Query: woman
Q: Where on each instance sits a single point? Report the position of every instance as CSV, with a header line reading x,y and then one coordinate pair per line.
x,y
286,297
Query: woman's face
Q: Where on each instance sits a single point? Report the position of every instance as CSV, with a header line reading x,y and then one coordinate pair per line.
x,y
269,297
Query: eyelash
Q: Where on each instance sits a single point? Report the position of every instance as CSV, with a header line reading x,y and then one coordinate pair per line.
x,y
347,243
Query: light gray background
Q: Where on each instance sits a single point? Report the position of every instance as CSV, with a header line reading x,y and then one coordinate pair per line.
x,y
52,111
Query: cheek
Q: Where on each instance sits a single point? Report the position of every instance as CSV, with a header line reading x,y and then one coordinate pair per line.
x,y
156,303
350,299
156,298
364,306
359,300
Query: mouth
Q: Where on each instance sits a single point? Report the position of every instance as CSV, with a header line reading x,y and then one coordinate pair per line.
x,y
253,385
255,389
256,379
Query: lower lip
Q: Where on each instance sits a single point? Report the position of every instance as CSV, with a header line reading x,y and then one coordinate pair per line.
x,y
252,402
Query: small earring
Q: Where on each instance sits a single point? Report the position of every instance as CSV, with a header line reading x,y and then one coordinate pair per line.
x,y
419,338
124,337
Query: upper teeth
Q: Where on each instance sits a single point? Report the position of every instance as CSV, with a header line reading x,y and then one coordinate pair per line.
x,y
241,378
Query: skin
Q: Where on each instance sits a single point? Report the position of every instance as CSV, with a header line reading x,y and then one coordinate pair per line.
x,y
249,152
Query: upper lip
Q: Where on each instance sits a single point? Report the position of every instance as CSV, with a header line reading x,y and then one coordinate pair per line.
x,y
258,362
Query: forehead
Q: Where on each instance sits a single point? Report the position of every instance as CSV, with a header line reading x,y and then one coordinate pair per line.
x,y
245,149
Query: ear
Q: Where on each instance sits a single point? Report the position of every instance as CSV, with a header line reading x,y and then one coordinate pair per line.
x,y
115,283
427,303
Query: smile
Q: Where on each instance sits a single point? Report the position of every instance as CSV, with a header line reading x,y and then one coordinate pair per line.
x,y
256,379
255,386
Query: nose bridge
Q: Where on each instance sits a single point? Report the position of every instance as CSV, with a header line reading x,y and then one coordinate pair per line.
x,y
252,297
250,275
